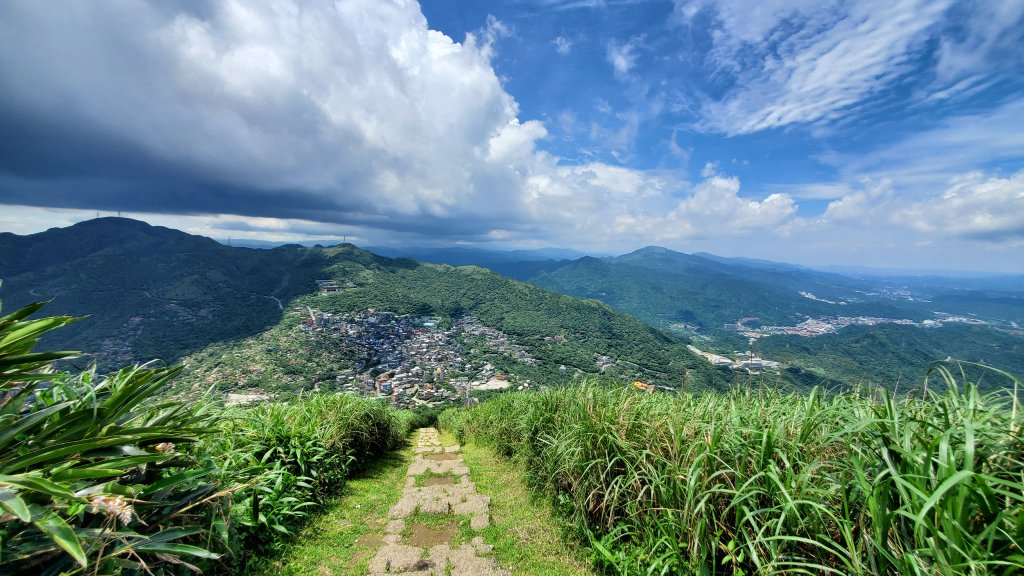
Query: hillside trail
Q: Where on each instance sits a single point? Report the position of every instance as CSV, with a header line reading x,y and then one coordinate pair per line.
x,y
438,488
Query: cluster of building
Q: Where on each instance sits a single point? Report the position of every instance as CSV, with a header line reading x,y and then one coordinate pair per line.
x,y
741,361
328,286
817,326
411,359
495,340
603,362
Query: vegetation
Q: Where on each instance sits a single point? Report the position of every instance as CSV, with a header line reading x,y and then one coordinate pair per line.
x,y
281,360
757,481
345,536
92,476
151,292
529,315
286,460
526,534
103,474
666,289
892,354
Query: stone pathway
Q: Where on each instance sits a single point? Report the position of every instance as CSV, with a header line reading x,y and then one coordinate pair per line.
x,y
417,550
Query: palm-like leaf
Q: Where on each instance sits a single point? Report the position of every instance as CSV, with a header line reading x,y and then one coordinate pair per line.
x,y
81,479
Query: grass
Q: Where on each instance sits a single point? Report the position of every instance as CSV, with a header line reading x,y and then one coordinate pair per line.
x,y
526,534
421,480
763,482
344,538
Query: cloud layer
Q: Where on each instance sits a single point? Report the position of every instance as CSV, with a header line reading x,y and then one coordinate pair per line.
x,y
798,61
351,113
360,118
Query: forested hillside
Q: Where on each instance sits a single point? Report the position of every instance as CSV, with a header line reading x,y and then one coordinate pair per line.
x,y
152,292
706,297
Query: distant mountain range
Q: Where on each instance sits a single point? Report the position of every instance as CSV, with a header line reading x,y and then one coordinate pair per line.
x,y
698,295
705,297
152,292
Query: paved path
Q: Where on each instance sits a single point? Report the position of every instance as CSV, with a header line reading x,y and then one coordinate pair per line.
x,y
445,489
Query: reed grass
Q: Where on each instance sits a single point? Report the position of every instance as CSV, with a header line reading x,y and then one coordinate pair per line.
x,y
765,482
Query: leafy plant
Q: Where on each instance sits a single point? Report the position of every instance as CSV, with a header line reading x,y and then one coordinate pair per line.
x,y
93,475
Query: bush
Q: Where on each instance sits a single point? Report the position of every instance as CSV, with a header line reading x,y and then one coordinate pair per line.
x,y
93,475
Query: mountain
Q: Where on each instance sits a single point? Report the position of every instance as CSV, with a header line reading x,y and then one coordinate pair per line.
x,y
153,292
515,264
709,298
149,292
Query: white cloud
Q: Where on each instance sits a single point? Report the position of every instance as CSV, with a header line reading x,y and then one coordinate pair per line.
x,y
955,145
860,206
973,206
804,62
990,33
622,57
349,117
357,107
715,207
562,44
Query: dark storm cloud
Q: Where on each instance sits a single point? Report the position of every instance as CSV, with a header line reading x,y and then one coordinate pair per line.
x,y
287,110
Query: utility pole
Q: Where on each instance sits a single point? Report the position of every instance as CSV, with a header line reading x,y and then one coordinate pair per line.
x,y
468,385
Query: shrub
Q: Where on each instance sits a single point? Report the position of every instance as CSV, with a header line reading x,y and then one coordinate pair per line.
x,y
289,458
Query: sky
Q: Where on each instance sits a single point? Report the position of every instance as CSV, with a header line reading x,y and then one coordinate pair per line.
x,y
884,134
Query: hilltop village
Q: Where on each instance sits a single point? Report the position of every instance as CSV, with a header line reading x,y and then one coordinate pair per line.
x,y
418,360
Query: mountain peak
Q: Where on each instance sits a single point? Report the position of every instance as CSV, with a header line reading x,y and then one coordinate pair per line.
x,y
652,250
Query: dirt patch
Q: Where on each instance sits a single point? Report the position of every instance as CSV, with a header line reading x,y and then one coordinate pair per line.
x,y
424,536
370,540
441,457
360,556
438,481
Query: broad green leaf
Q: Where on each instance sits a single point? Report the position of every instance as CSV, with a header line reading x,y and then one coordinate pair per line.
x,y
13,504
56,528
37,484
26,422
172,548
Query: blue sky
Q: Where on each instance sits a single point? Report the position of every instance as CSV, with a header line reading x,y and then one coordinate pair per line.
x,y
887,134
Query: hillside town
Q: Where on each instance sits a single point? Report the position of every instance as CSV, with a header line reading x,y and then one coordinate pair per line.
x,y
831,324
417,360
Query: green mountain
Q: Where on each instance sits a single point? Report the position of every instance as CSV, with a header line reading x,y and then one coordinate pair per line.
x,y
705,297
152,292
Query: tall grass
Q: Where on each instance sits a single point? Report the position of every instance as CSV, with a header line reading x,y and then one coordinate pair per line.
x,y
287,459
762,482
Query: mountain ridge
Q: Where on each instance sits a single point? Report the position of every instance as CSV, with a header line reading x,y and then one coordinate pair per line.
x,y
160,293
